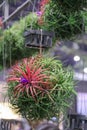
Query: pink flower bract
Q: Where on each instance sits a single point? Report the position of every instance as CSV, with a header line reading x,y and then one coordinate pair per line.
x,y
29,77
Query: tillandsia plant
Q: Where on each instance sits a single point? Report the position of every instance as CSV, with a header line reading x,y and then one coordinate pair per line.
x,y
39,87
31,78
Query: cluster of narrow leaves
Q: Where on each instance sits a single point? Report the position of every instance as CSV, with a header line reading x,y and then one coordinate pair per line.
x,y
39,87
64,17
29,77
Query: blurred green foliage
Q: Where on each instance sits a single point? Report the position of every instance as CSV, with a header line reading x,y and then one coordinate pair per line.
x,y
12,40
65,17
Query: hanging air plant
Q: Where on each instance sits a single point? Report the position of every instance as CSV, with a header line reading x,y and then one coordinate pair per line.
x,y
30,78
39,87
41,37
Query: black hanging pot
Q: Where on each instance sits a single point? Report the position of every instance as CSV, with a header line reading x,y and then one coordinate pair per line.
x,y
38,38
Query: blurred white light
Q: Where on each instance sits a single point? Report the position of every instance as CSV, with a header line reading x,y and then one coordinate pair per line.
x,y
76,58
85,70
75,46
54,118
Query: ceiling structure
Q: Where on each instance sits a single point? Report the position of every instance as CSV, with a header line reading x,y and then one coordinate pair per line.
x,y
13,5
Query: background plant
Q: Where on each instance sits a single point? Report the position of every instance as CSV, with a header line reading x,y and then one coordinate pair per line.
x,y
64,17
12,40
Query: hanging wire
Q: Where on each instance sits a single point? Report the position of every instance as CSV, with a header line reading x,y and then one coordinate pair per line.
x,y
10,55
41,42
41,38
33,12
40,48
4,60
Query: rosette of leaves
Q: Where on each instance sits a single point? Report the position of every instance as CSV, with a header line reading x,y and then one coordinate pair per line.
x,y
39,87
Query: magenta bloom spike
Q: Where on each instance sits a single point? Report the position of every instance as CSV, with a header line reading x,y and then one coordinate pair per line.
x,y
23,80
